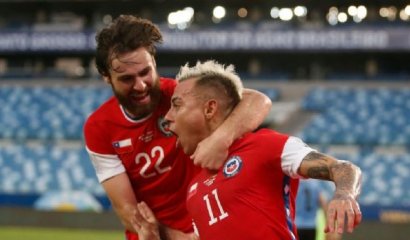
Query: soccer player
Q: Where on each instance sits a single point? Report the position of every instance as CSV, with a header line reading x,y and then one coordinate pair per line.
x,y
134,154
252,196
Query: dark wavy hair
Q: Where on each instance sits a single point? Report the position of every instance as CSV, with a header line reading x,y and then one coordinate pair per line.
x,y
126,33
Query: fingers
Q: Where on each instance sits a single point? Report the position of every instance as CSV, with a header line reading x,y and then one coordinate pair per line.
x,y
350,215
358,214
353,216
340,221
330,219
146,212
135,225
148,228
193,156
209,154
342,215
141,217
136,220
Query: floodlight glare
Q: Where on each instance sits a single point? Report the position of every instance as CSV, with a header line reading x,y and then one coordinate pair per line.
x,y
342,17
285,14
242,12
331,18
172,18
274,12
362,12
384,12
181,18
357,19
352,11
333,10
219,12
407,10
300,11
403,15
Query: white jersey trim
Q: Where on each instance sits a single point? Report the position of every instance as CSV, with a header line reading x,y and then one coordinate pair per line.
x,y
105,165
133,120
294,151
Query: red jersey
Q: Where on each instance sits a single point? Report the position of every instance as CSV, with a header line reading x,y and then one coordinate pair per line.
x,y
250,197
146,150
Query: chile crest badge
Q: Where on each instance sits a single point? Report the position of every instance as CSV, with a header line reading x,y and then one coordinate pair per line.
x,y
232,166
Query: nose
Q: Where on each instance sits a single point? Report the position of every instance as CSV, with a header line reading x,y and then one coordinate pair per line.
x,y
139,85
170,119
168,116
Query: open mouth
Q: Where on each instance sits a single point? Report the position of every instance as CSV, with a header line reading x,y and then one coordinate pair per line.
x,y
178,142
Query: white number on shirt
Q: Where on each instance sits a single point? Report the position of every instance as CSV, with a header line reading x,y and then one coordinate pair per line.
x,y
155,152
222,212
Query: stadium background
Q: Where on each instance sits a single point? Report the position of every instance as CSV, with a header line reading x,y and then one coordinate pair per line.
x,y
338,74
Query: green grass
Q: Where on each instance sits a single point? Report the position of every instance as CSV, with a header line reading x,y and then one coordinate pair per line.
x,y
29,233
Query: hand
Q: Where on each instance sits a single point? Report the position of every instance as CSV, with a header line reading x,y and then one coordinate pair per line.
x,y
173,234
342,207
211,152
148,224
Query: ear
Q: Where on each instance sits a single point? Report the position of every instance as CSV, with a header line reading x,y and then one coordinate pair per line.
x,y
210,108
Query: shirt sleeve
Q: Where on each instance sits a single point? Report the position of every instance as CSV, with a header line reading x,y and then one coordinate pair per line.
x,y
105,165
294,151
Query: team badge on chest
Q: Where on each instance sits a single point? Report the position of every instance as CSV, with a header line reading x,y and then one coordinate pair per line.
x,y
232,166
163,126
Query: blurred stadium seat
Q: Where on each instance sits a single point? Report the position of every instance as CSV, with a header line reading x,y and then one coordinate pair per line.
x,y
375,124
42,147
358,116
47,113
39,168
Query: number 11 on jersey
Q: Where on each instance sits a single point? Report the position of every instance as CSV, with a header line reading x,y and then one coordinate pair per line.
x,y
222,212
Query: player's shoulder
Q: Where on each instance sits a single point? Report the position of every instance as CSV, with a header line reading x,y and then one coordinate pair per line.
x,y
166,83
260,139
104,111
265,139
266,133
167,86
167,79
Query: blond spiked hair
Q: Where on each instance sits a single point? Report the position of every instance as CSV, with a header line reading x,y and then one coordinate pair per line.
x,y
211,68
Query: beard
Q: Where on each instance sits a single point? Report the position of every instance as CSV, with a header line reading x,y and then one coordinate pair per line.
x,y
136,109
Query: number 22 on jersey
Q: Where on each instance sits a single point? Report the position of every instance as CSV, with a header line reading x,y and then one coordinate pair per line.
x,y
156,152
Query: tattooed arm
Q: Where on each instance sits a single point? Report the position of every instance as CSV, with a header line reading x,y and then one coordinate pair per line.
x,y
347,179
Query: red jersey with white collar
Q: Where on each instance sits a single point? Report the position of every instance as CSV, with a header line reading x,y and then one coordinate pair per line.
x,y
253,195
146,150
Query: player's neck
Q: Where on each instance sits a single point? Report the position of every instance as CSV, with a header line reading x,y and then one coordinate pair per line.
x,y
135,115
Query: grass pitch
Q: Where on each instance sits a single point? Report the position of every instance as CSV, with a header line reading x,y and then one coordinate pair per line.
x,y
30,233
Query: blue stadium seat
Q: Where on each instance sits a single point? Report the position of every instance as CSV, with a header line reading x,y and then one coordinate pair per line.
x,y
47,112
385,178
367,119
40,168
358,116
